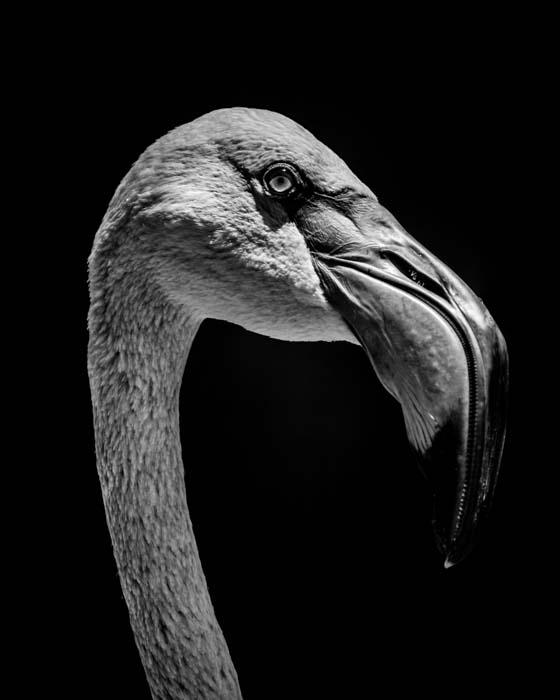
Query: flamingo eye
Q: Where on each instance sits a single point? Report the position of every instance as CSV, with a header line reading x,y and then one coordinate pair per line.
x,y
282,179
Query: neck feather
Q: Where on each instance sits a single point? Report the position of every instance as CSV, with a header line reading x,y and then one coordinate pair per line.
x,y
137,352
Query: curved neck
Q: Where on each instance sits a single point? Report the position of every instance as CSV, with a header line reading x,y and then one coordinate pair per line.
x,y
137,352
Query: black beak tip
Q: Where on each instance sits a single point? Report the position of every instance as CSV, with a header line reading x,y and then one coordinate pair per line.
x,y
453,549
458,549
453,558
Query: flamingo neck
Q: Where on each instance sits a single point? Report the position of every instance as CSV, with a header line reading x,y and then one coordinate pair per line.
x,y
137,352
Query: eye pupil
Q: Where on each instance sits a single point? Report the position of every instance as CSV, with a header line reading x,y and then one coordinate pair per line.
x,y
280,183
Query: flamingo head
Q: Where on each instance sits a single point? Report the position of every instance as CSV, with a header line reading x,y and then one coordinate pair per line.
x,y
243,215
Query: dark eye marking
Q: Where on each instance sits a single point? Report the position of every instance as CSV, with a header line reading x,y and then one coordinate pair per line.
x,y
284,180
342,193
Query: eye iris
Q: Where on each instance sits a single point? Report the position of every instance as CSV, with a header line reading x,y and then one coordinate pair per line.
x,y
281,183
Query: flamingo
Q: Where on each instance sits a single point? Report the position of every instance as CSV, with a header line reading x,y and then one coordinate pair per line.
x,y
242,215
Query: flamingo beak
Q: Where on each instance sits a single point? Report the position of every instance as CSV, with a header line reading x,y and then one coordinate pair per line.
x,y
437,350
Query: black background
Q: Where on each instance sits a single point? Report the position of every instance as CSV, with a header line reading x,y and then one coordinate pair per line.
x,y
312,519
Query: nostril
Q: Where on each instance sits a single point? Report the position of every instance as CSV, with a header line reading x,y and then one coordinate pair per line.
x,y
421,279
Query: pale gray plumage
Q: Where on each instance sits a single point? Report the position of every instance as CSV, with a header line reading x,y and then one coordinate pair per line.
x,y
192,233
